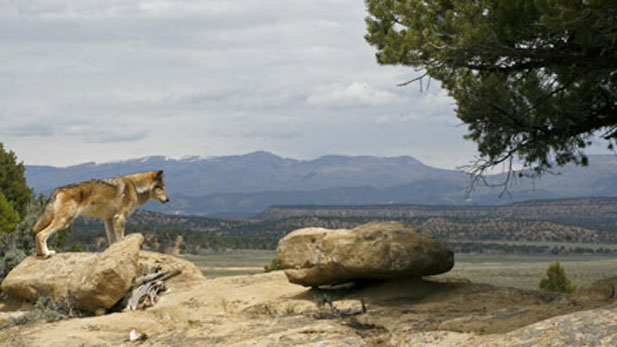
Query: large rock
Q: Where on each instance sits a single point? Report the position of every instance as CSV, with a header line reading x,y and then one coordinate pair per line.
x,y
35,277
92,280
378,250
101,283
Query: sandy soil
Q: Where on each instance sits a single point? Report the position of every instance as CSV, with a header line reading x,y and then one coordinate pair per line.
x,y
232,268
266,310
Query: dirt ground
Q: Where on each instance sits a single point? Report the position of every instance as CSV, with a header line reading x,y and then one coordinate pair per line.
x,y
266,310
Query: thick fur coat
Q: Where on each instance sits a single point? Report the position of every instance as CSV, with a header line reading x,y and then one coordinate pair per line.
x,y
112,200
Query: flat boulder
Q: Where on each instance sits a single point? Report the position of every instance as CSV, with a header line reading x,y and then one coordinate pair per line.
x,y
373,251
91,281
36,277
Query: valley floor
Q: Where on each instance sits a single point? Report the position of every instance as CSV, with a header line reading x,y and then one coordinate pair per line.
x,y
519,271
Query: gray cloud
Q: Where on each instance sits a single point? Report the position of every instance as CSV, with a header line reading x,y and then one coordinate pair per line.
x,y
355,94
27,130
127,78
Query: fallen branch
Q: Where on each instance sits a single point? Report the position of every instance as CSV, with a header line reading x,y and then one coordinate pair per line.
x,y
156,276
147,287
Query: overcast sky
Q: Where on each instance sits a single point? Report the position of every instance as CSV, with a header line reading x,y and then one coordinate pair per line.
x,y
94,80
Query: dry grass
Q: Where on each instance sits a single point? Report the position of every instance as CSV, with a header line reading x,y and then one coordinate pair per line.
x,y
233,262
520,271
526,271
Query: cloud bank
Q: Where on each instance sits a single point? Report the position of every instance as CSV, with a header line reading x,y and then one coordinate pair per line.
x,y
107,80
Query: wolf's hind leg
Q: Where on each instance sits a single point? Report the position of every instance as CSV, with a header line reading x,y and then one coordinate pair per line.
x,y
59,213
43,235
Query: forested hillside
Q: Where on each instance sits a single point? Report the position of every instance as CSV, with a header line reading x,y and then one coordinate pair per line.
x,y
580,211
552,226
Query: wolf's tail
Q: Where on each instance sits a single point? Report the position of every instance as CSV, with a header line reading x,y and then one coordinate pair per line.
x,y
47,216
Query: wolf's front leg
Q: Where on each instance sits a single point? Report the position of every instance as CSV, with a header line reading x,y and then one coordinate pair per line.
x,y
118,222
109,230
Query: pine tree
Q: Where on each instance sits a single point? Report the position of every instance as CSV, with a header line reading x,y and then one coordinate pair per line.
x,y
533,80
8,216
556,280
13,182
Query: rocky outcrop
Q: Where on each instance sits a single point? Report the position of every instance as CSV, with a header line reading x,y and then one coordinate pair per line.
x,y
267,310
92,281
586,328
101,283
378,250
35,277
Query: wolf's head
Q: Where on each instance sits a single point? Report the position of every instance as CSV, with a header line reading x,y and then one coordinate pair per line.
x,y
158,190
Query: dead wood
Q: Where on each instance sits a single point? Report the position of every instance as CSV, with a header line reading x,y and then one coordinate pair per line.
x,y
146,289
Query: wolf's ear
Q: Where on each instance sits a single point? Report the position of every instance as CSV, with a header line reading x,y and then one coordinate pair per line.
x,y
159,175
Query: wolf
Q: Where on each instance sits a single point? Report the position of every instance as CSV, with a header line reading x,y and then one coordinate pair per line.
x,y
112,199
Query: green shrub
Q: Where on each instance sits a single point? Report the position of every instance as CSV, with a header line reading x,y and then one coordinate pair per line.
x,y
76,247
47,310
11,258
19,242
21,236
273,266
556,280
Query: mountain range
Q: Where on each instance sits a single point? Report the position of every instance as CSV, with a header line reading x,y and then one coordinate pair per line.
x,y
244,185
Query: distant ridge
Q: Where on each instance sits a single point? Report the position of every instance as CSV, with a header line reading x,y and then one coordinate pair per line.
x,y
562,210
244,185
